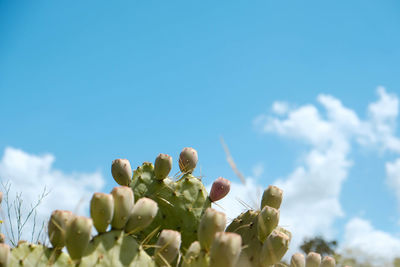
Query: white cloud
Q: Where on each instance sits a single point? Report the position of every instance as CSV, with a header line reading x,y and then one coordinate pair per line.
x,y
280,108
369,245
393,177
30,174
311,191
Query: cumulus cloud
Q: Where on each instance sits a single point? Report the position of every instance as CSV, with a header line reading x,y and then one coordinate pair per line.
x,y
30,174
311,204
393,177
369,245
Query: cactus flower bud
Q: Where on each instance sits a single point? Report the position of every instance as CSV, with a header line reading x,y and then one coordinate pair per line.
x,y
1,197
212,222
4,255
313,259
274,248
168,245
101,211
328,261
121,171
143,213
297,260
123,205
78,236
57,227
268,220
225,249
162,166
188,160
219,189
272,197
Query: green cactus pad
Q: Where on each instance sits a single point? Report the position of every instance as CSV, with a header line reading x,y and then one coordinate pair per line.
x,y
181,203
27,254
246,226
115,248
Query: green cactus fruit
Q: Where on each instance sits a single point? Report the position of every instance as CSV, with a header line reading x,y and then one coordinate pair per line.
x,y
143,213
328,261
268,220
57,226
2,238
101,211
195,256
188,160
162,166
313,259
219,189
26,254
121,171
78,235
274,248
297,260
4,255
225,249
180,204
167,247
212,222
115,249
123,205
272,197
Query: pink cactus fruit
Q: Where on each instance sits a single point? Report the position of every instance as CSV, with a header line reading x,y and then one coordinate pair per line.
x,y
219,189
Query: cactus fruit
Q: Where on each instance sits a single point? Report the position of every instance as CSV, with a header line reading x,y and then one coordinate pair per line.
x,y
188,160
57,227
313,259
272,197
1,197
219,189
167,247
78,235
143,213
195,256
328,261
101,211
123,205
162,166
225,249
297,260
274,248
4,255
121,171
211,223
268,220
2,238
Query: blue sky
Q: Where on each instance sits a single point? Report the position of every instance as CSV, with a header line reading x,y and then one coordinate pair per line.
x,y
92,81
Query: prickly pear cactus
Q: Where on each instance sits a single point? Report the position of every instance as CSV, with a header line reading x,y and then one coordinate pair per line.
x,y
265,242
181,203
152,220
